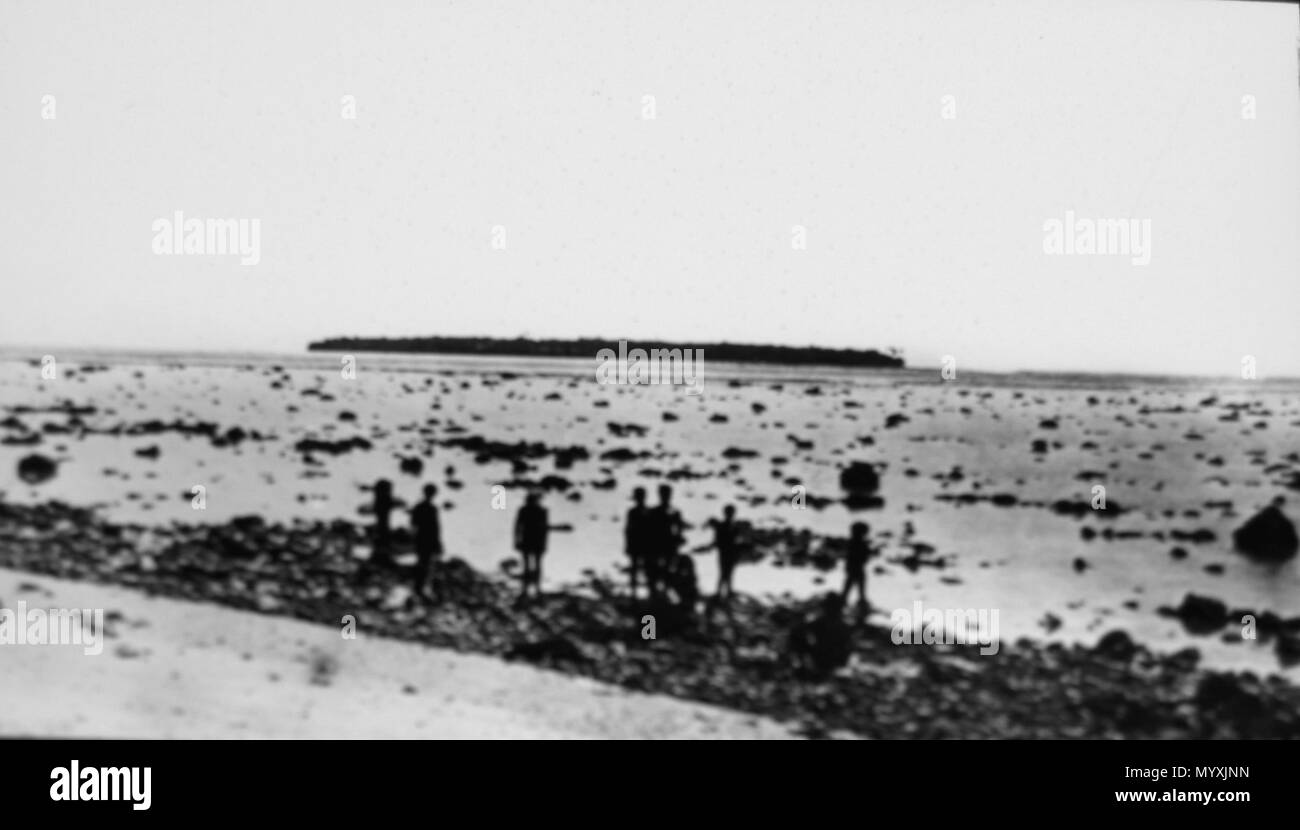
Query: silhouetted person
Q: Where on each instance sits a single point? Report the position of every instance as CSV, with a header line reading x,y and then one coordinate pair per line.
x,y
381,551
666,529
855,564
822,643
531,527
682,581
428,538
728,547
636,535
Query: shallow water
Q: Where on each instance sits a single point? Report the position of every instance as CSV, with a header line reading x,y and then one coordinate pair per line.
x,y
1018,560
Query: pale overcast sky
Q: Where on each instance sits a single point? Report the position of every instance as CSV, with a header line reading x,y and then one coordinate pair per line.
x,y
922,232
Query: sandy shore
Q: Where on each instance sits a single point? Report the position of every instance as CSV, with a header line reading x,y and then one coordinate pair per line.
x,y
175,669
271,598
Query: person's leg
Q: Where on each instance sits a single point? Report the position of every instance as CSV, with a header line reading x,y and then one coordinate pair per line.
x,y
531,557
433,574
420,575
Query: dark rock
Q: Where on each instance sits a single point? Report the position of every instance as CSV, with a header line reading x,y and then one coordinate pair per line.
x,y
860,501
860,478
308,445
1200,615
1287,649
624,430
622,454
737,452
1268,535
1117,645
37,469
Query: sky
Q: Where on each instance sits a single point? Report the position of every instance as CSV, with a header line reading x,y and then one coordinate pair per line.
x,y
846,174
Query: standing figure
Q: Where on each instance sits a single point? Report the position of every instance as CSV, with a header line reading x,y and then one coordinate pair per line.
x,y
531,527
666,536
724,539
855,564
381,550
636,536
428,538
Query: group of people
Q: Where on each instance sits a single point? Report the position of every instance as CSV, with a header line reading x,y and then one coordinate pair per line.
x,y
653,541
426,529
653,537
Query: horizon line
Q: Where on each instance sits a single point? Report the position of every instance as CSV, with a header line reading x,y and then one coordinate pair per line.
x,y
306,352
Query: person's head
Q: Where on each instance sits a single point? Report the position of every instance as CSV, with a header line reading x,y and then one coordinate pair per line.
x,y
860,530
729,512
383,488
533,498
638,496
430,490
665,494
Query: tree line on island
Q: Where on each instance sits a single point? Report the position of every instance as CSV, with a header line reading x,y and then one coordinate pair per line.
x,y
588,347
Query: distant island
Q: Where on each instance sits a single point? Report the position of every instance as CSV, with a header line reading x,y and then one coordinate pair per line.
x,y
588,347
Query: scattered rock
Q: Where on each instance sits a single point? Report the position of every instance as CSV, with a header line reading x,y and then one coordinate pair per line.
x,y
860,478
1199,615
1117,645
1268,535
37,469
